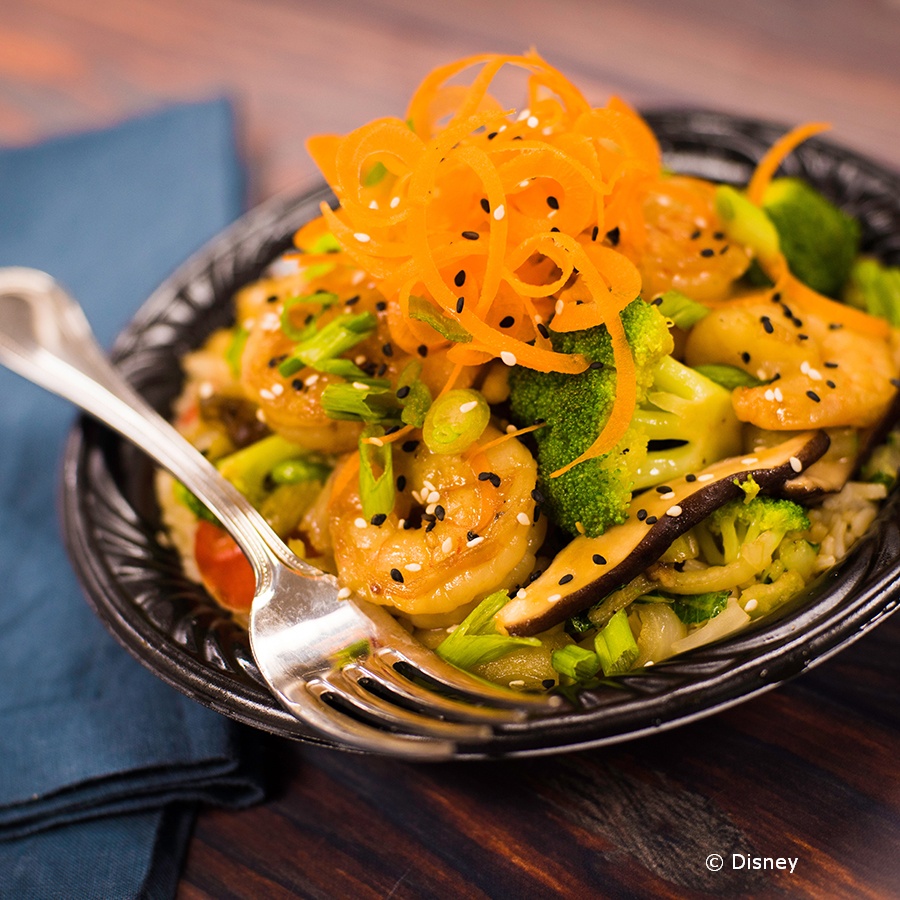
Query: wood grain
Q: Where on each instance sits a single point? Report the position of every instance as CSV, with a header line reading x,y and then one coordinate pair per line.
x,y
807,771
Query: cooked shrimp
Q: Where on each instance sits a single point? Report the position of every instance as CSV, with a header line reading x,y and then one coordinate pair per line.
x,y
685,249
462,527
824,377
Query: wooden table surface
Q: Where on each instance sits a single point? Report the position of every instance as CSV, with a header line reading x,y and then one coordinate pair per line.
x,y
809,771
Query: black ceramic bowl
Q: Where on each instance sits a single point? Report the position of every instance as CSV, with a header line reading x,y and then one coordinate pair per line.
x,y
136,586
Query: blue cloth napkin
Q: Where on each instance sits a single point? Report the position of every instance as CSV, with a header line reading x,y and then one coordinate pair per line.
x,y
101,764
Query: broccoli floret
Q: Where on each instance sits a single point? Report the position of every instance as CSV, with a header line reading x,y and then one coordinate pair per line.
x,y
689,422
763,520
875,288
818,240
595,493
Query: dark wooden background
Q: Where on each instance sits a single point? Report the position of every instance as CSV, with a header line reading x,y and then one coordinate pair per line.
x,y
807,771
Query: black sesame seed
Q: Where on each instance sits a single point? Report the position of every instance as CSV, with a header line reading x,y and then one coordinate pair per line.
x,y
397,575
641,514
507,322
835,326
679,566
422,350
536,515
542,330
381,305
272,298
460,278
378,519
656,301
409,446
485,205
548,683
652,520
596,364
470,235
707,252
401,483
555,230
664,489
460,303
297,384
471,535
537,496
387,350
719,235
690,478
403,393
492,135
776,296
767,324
696,234
896,382
802,337
745,356
831,384
566,578
352,301
724,249
552,202
430,527
599,560
439,513
613,236
814,396
831,365
492,477
594,232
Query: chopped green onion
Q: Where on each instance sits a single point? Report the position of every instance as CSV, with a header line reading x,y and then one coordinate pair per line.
x,y
729,377
193,503
455,421
746,223
681,309
418,398
615,645
575,662
247,469
475,640
321,298
376,491
351,653
375,174
450,329
360,401
695,608
329,342
294,471
236,349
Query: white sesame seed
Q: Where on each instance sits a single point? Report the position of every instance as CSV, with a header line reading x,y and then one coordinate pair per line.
x,y
522,519
260,416
400,524
554,598
547,130
769,394
447,546
499,212
522,115
475,541
707,477
508,358
311,379
378,442
395,202
668,495
451,628
344,593
511,428
429,510
654,471
521,594
532,122
427,486
560,306
413,567
778,395
434,497
674,511
468,407
648,663
796,465
815,374
362,237
360,522
206,389
266,394
525,183
277,389
270,322
750,605
749,460
359,359
804,367
360,386
358,277
517,683
373,204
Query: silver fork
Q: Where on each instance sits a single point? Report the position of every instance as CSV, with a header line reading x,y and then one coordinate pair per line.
x,y
346,668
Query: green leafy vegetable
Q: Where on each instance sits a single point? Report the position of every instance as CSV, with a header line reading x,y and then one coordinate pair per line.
x,y
695,608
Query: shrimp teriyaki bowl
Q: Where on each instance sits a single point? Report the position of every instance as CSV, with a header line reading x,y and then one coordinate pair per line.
x,y
571,415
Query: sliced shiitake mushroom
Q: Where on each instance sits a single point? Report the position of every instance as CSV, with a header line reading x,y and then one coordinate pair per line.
x,y
589,568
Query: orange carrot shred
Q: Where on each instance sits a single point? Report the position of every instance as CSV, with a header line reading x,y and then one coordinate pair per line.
x,y
775,155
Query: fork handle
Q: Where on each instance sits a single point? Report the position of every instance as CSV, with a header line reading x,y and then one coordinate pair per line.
x,y
46,338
